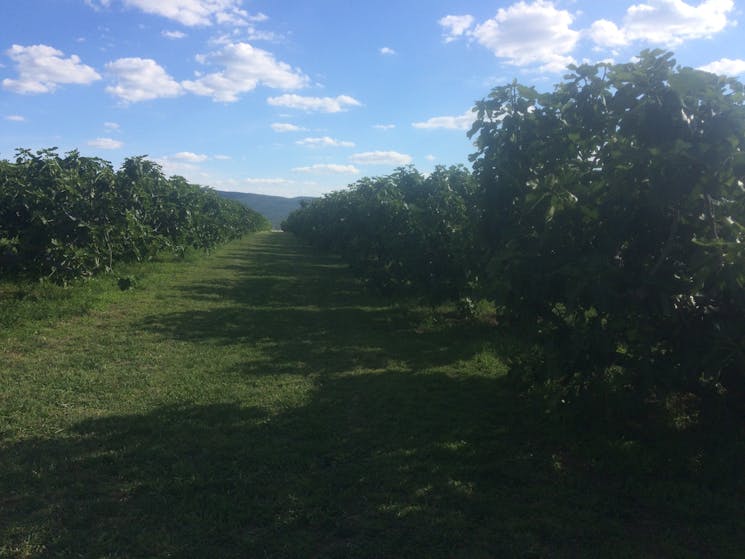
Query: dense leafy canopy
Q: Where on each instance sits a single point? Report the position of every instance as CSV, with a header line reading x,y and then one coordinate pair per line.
x,y
64,217
614,221
403,231
606,220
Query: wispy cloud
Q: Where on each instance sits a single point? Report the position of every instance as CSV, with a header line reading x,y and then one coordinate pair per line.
x,y
324,141
105,143
286,127
266,181
380,158
460,122
328,168
173,34
190,156
193,13
318,104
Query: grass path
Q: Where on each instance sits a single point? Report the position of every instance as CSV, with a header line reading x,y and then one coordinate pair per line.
x,y
258,403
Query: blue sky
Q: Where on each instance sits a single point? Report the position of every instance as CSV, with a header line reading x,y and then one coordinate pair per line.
x,y
294,97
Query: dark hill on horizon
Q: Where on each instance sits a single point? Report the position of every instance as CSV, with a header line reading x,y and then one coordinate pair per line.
x,y
275,208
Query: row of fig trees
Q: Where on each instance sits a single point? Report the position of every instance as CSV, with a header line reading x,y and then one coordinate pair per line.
x,y
606,221
404,232
63,217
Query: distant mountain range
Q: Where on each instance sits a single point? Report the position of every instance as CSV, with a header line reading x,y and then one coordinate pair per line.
x,y
275,208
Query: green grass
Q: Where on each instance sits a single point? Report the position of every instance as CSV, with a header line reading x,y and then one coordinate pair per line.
x,y
259,403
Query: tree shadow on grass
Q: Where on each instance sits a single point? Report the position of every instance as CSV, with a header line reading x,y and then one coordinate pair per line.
x,y
323,340
369,468
376,465
311,313
276,270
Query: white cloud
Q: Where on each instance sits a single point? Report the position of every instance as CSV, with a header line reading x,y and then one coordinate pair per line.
x,y
320,104
105,143
257,18
194,12
253,34
244,67
286,127
173,34
250,33
384,126
430,157
387,51
42,68
267,181
380,158
530,33
141,79
607,34
328,168
111,125
324,141
664,22
726,67
246,30
461,122
15,118
172,166
275,186
189,156
455,26
221,157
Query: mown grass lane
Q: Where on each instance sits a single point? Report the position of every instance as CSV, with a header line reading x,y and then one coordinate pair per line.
x,y
260,403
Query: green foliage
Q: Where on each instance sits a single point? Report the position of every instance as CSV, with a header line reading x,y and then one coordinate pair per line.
x,y
606,222
614,225
72,216
405,231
